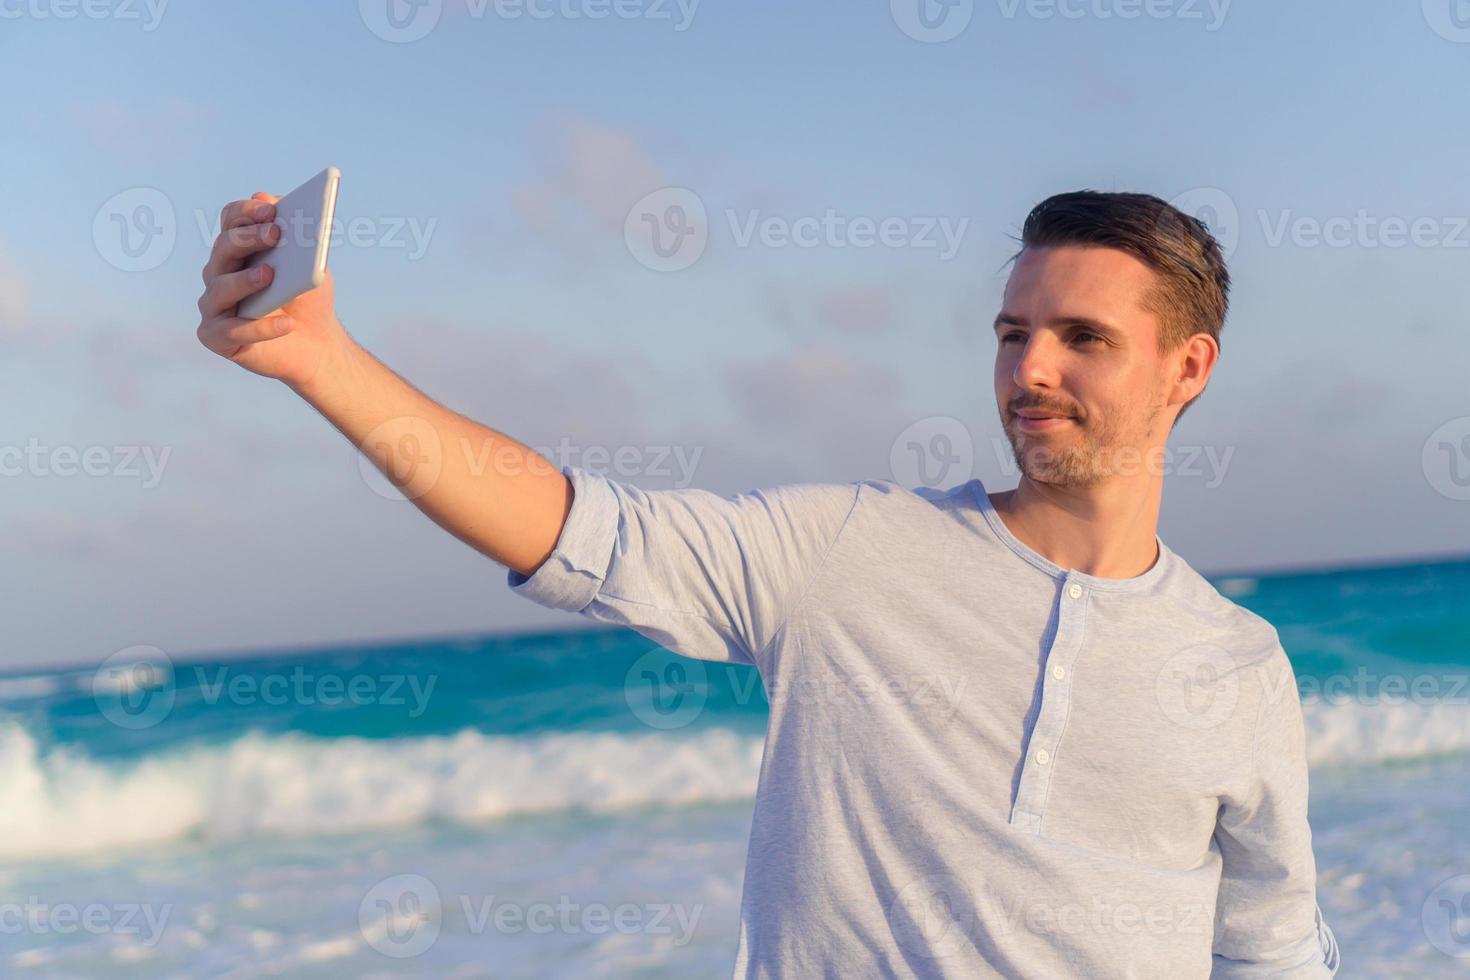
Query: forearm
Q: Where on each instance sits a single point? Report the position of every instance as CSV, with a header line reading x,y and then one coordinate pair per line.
x,y
490,491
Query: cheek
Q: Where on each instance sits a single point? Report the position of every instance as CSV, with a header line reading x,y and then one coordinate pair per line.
x,y
1002,374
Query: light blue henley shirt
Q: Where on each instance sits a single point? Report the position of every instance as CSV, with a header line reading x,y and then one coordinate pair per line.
x,y
977,763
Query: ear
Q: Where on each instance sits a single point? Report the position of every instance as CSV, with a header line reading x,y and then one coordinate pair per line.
x,y
1190,367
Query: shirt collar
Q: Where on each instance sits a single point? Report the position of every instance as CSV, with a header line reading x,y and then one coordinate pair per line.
x,y
1137,583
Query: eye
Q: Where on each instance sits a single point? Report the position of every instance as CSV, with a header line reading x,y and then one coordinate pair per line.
x,y
1083,333
1009,336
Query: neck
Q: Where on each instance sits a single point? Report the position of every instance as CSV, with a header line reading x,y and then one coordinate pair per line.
x,y
1106,531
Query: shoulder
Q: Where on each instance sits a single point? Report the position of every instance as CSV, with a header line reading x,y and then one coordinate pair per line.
x,y
882,493
1252,642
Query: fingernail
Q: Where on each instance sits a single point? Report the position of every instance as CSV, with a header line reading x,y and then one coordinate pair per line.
x,y
262,210
259,273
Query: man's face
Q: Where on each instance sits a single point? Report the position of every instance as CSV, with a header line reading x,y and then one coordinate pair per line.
x,y
1074,342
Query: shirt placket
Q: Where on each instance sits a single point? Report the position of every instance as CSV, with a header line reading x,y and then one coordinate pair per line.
x,y
1056,701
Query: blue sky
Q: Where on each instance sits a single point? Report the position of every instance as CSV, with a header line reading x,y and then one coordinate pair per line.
x,y
491,166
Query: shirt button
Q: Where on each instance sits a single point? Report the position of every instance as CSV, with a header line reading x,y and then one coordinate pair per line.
x,y
1059,672
1075,591
1042,757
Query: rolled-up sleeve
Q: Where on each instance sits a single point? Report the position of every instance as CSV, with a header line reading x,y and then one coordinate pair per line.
x,y
707,576
576,568
1267,919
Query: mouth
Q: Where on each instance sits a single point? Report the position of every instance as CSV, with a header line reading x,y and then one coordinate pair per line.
x,y
1041,422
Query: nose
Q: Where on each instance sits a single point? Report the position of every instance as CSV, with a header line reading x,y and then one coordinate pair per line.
x,y
1036,365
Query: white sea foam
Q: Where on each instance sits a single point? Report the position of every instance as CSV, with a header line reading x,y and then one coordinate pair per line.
x,y
62,802
1353,731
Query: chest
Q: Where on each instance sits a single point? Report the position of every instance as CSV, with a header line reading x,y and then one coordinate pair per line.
x,y
1052,712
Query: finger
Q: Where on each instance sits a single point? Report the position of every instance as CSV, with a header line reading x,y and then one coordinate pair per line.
x,y
225,336
235,245
226,291
262,207
263,196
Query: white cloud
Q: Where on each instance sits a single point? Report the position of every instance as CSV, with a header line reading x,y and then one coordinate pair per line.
x,y
116,128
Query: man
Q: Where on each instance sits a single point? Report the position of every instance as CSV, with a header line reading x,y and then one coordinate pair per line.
x,y
1010,734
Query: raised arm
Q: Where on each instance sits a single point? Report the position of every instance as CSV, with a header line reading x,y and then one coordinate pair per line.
x,y
490,491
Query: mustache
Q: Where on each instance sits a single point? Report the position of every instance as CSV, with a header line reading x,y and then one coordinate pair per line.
x,y
1040,406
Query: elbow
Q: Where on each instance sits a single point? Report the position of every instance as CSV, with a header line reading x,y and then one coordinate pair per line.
x,y
1313,957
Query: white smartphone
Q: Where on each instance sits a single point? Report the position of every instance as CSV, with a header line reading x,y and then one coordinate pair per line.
x,y
300,257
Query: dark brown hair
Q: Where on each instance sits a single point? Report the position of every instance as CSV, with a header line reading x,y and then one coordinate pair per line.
x,y
1194,285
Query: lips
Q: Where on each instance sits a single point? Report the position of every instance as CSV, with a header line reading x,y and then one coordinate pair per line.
x,y
1041,423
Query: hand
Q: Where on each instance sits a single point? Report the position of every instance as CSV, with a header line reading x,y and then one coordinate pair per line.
x,y
290,345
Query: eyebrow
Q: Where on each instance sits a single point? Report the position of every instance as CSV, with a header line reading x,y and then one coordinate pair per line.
x,y
1085,322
